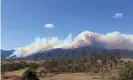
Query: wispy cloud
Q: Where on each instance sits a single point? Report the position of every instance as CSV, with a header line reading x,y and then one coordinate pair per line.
x,y
48,25
118,15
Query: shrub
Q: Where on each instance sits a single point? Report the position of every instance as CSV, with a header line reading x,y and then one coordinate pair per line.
x,y
126,73
29,75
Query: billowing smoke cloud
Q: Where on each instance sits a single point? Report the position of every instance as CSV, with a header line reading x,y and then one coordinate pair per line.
x,y
114,40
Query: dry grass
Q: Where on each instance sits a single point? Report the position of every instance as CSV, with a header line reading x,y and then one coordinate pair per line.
x,y
73,76
63,76
18,73
128,59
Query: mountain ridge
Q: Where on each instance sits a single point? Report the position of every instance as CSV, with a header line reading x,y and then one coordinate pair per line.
x,y
73,53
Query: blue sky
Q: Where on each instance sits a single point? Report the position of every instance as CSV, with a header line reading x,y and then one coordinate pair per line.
x,y
24,20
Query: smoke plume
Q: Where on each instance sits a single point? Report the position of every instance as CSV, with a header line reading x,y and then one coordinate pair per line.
x,y
114,40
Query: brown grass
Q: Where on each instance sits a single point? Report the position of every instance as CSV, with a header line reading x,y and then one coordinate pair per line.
x,y
63,76
128,59
17,73
73,76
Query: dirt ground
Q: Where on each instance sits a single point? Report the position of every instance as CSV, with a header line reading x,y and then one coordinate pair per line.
x,y
127,59
73,76
63,76
17,73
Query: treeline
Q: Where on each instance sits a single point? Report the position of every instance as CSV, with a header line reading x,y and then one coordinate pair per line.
x,y
87,63
12,66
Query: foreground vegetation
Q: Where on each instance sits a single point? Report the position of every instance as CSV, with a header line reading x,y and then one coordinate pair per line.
x,y
108,66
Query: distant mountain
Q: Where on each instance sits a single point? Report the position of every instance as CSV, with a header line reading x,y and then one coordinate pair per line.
x,y
74,53
6,53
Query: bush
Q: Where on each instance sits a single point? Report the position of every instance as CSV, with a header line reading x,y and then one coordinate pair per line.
x,y
29,75
33,66
126,73
12,66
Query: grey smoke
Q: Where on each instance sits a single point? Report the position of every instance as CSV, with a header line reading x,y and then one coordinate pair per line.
x,y
114,40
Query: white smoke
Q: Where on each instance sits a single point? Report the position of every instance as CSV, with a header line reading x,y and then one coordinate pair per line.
x,y
114,40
